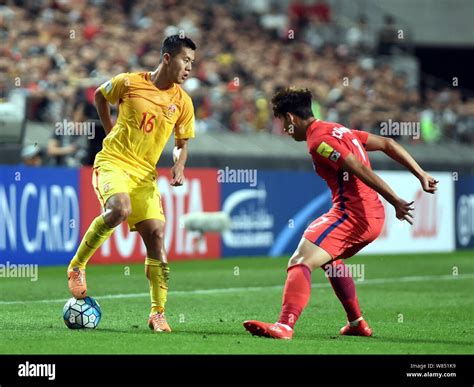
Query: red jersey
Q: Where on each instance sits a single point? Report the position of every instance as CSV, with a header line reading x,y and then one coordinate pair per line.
x,y
329,144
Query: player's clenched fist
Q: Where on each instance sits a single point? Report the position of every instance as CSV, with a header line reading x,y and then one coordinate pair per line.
x,y
428,183
177,175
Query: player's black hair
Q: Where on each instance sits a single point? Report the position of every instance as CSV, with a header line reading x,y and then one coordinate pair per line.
x,y
174,43
292,100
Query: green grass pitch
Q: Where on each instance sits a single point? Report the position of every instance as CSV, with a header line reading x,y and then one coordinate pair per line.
x,y
414,304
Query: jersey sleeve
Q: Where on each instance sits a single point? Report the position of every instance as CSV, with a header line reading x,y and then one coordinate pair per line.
x,y
361,135
330,151
184,127
114,88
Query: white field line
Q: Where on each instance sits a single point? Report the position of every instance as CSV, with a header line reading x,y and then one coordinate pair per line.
x,y
375,281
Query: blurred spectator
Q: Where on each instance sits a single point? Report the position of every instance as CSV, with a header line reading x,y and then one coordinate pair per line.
x,y
465,123
256,6
85,111
61,150
359,38
321,10
275,22
297,14
32,155
388,36
300,12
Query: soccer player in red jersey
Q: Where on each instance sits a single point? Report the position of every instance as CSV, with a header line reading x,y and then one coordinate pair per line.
x,y
355,219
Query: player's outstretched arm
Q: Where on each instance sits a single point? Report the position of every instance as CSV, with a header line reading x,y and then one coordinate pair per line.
x,y
402,208
103,109
180,155
395,151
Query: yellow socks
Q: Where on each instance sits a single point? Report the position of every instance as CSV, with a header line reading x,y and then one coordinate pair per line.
x,y
97,233
158,274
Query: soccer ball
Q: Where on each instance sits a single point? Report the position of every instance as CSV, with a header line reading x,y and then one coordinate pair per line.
x,y
84,313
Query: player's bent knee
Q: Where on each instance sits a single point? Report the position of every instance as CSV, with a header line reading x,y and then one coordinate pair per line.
x,y
301,260
118,209
118,214
123,213
296,259
310,255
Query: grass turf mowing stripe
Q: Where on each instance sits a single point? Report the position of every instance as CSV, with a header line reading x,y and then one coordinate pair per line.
x,y
375,281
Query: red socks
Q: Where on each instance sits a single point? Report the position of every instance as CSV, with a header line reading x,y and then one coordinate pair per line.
x,y
296,294
344,288
298,290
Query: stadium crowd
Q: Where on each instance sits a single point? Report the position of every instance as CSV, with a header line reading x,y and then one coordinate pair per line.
x,y
60,51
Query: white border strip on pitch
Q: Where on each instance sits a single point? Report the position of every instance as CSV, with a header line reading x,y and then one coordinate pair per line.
x,y
375,281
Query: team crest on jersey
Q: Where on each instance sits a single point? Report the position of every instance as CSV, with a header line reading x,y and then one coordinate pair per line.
x,y
171,110
106,187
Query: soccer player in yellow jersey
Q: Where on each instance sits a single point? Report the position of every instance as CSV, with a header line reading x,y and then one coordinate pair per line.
x,y
151,106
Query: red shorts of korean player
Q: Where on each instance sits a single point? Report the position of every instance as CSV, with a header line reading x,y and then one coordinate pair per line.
x,y
355,220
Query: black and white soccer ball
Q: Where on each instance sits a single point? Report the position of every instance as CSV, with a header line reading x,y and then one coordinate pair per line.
x,y
82,313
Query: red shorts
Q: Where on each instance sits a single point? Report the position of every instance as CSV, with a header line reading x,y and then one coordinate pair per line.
x,y
342,236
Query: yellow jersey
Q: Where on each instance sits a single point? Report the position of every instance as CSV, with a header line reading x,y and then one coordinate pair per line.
x,y
146,118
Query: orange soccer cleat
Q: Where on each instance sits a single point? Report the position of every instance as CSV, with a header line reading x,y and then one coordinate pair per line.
x,y
362,329
275,331
157,322
77,282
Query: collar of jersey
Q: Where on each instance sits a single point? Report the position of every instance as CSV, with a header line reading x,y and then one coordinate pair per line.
x,y
148,79
312,126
